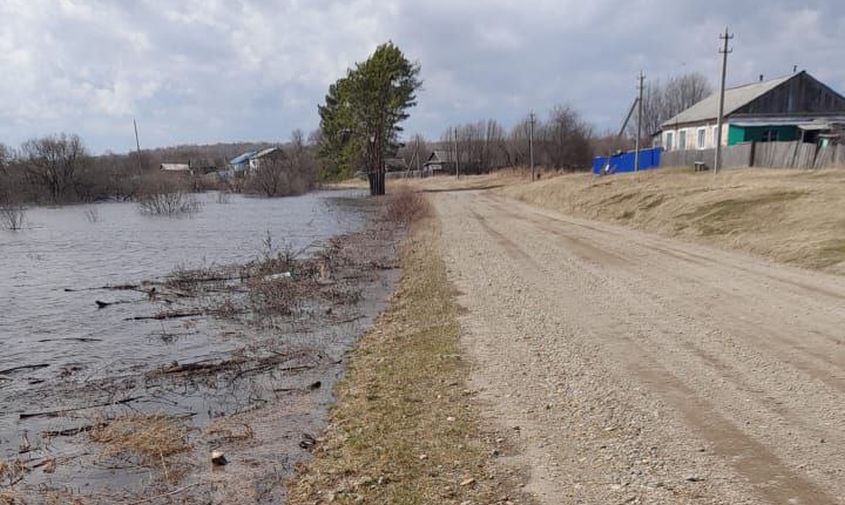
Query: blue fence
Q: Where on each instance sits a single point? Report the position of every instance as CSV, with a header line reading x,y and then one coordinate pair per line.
x,y
624,162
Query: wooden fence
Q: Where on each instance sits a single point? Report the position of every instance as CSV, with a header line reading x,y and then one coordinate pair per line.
x,y
762,154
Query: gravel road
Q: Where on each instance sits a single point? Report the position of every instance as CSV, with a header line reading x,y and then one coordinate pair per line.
x,y
629,368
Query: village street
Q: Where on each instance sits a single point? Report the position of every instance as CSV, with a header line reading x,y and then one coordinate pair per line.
x,y
628,368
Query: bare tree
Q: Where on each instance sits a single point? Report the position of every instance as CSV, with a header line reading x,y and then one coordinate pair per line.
x,y
565,139
163,195
518,142
5,158
52,162
662,101
684,91
482,146
12,211
302,164
271,176
414,151
12,216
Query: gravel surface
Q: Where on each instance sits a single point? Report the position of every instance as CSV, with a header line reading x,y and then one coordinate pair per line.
x,y
630,368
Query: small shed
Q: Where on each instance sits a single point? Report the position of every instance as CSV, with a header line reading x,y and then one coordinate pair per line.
x,y
175,167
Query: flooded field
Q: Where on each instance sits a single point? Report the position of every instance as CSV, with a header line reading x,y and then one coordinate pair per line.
x,y
76,357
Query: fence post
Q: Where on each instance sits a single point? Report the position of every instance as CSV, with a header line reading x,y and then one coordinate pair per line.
x,y
752,153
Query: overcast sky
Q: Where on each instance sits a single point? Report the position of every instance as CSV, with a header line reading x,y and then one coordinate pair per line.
x,y
204,71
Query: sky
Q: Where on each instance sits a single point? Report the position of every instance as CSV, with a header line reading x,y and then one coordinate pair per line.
x,y
206,71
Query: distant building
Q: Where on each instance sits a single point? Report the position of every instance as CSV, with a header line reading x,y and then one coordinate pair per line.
x,y
240,163
248,162
175,167
795,107
440,160
256,158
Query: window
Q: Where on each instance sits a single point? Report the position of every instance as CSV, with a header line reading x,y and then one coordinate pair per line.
x,y
702,136
669,138
716,136
682,140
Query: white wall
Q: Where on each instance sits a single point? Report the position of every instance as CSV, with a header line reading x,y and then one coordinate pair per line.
x,y
691,133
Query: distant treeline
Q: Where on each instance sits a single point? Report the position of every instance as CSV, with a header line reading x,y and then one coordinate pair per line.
x,y
563,140
58,169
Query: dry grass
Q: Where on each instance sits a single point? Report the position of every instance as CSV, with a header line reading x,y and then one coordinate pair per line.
x,y
147,440
11,472
404,430
786,215
405,205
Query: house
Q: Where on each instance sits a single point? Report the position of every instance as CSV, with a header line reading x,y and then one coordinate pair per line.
x,y
795,107
175,167
440,160
256,158
240,163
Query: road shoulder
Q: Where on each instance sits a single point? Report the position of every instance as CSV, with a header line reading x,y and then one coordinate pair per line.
x,y
406,428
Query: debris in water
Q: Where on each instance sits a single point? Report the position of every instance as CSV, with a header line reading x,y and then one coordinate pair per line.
x,y
218,458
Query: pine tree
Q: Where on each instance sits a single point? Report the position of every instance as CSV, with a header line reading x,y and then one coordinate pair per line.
x,y
361,117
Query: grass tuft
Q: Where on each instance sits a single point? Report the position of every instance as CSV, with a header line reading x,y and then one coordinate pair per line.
x,y
146,439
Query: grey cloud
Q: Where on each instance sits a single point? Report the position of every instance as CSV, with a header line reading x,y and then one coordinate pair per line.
x,y
206,71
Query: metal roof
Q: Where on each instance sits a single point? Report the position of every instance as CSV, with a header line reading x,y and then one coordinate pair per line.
x,y
243,158
263,152
787,120
735,98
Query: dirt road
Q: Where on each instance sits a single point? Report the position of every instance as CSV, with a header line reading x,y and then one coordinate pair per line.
x,y
636,369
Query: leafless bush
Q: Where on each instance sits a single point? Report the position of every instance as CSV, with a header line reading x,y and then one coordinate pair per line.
x,y
169,204
405,206
277,295
12,216
11,472
224,197
164,196
92,214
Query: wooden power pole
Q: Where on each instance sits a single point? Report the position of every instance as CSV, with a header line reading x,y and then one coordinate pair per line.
x,y
532,120
724,51
457,164
639,122
137,144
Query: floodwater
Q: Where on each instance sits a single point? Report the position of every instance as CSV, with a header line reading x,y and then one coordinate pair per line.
x,y
53,337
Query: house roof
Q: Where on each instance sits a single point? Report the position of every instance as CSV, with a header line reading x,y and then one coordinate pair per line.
x,y
441,156
735,98
243,158
264,152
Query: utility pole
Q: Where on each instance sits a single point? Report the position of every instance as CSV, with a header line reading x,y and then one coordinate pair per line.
x,y
457,164
532,120
137,144
724,51
417,154
639,122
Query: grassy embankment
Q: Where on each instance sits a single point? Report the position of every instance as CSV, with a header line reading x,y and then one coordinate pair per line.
x,y
404,430
790,216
